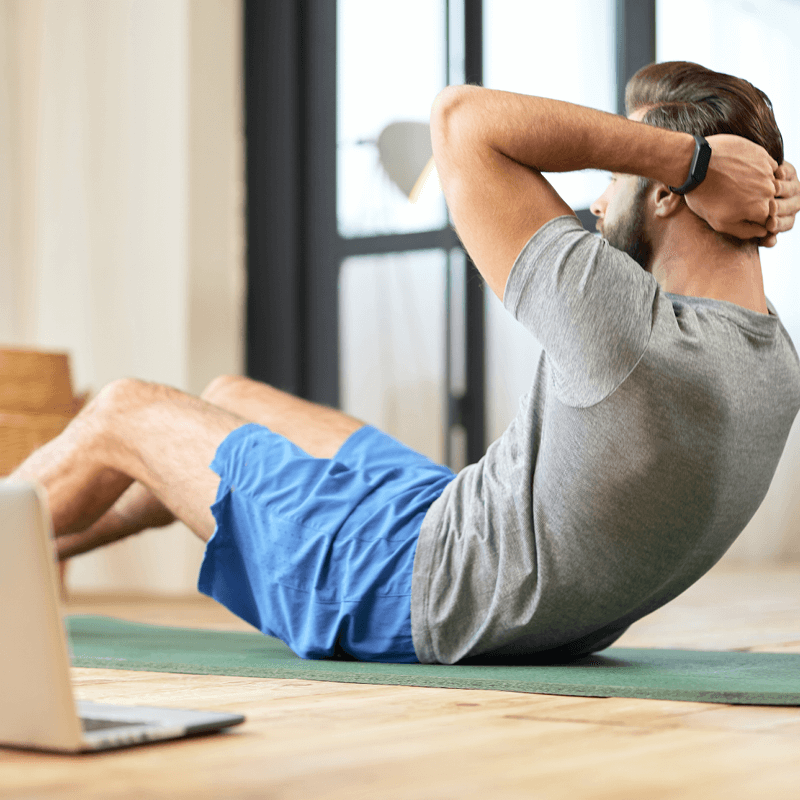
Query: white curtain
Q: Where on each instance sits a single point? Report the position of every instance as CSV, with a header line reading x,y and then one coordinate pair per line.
x,y
121,211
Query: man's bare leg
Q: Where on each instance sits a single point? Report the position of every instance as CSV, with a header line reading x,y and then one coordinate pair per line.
x,y
133,431
318,430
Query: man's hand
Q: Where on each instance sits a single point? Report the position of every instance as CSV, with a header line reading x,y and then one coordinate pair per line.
x,y
786,204
738,195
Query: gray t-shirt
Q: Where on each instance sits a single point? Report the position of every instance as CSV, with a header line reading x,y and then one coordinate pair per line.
x,y
648,441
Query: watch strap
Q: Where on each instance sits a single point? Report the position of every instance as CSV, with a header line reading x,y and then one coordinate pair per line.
x,y
698,168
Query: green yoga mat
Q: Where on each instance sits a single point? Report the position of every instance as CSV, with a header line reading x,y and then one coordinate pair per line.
x,y
700,676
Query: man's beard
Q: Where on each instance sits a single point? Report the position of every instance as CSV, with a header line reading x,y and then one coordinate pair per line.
x,y
628,232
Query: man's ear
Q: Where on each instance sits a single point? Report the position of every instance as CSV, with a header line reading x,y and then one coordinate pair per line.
x,y
665,202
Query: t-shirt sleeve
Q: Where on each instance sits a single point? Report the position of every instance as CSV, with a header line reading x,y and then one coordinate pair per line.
x,y
589,305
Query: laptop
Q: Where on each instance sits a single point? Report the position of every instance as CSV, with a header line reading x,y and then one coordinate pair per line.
x,y
37,705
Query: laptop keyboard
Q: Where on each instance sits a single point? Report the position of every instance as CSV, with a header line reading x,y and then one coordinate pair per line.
x,y
102,724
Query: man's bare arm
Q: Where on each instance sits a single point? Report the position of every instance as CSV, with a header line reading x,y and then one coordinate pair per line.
x,y
491,147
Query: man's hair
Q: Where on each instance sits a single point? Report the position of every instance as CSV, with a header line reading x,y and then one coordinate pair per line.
x,y
692,99
686,97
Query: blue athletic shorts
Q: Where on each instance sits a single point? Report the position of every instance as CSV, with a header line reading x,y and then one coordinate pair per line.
x,y
319,552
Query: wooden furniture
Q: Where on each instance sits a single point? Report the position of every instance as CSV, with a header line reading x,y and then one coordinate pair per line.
x,y
330,741
36,402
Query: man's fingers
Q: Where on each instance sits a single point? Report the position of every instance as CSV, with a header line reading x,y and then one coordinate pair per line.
x,y
788,189
773,209
780,223
773,163
786,204
786,172
748,230
782,213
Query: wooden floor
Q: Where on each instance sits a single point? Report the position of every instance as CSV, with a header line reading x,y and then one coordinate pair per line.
x,y
306,739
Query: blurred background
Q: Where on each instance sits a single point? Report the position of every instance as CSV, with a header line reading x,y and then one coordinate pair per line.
x,y
191,188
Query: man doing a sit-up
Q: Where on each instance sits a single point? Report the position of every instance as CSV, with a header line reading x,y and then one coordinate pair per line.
x,y
660,408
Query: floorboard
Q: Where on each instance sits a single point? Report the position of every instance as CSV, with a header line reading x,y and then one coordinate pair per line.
x,y
307,739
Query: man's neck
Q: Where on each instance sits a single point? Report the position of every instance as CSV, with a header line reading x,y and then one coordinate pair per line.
x,y
701,265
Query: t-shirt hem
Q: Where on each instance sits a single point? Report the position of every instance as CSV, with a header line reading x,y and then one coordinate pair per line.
x,y
420,586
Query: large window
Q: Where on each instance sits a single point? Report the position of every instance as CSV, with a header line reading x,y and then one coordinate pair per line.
x,y
390,64
392,339
520,56
357,297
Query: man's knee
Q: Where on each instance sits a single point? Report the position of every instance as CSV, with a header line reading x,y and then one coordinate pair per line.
x,y
125,394
102,415
223,387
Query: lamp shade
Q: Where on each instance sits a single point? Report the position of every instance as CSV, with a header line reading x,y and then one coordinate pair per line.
x,y
406,154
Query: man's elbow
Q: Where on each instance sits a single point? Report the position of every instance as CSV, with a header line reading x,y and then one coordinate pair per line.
x,y
448,101
448,114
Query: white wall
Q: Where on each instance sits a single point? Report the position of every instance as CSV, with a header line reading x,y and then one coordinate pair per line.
x,y
121,207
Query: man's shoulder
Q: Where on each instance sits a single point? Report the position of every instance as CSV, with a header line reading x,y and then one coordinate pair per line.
x,y
564,258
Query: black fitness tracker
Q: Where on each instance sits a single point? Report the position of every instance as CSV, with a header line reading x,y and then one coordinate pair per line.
x,y
697,172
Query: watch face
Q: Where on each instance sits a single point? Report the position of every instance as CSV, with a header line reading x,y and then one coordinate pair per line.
x,y
702,157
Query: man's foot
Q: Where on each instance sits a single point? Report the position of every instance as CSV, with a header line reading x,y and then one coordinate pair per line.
x,y
137,510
